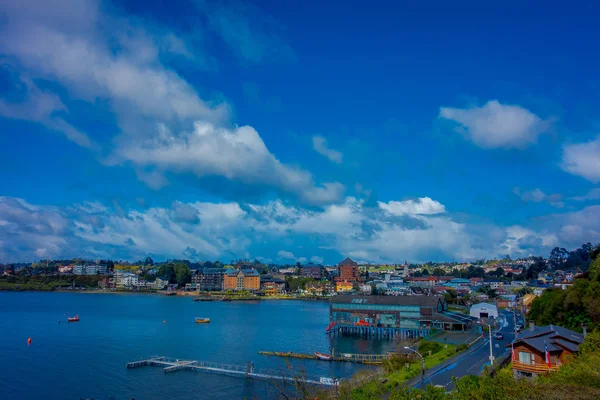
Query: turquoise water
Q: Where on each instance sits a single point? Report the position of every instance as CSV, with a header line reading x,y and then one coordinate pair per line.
x,y
87,359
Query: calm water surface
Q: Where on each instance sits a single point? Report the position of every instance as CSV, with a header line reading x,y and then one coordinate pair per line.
x,y
87,359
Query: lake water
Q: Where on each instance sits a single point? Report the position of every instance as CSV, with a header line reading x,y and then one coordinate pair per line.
x,y
87,359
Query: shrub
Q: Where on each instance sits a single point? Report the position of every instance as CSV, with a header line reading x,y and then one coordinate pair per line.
x,y
426,346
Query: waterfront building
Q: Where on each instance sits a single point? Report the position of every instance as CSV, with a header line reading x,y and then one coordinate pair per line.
x,y
410,316
321,288
209,279
542,349
348,270
241,279
78,269
343,286
311,270
271,283
125,280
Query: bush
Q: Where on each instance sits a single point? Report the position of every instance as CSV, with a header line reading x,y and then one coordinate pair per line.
x,y
426,346
397,362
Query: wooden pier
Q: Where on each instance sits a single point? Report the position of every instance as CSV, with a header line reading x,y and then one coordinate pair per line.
x,y
247,371
343,357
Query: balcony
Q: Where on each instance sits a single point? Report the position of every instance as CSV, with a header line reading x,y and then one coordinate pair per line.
x,y
535,368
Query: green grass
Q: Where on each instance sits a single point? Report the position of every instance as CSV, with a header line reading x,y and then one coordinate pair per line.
x,y
397,378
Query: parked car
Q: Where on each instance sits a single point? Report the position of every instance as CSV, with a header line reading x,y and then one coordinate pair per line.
x,y
498,336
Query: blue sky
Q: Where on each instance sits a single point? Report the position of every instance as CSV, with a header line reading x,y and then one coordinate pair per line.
x,y
384,131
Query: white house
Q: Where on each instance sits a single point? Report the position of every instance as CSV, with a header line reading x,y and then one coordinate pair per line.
x,y
484,310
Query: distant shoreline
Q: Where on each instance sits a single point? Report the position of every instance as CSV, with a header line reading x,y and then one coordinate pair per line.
x,y
193,296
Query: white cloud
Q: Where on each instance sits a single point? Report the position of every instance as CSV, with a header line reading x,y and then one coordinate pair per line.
x,y
320,146
538,196
497,125
237,154
286,255
317,259
44,107
424,205
226,230
102,58
582,159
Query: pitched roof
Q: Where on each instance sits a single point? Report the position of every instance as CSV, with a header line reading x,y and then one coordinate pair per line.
x,y
348,261
556,338
423,301
250,272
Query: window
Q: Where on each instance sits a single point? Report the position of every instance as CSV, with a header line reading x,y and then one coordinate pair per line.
x,y
525,357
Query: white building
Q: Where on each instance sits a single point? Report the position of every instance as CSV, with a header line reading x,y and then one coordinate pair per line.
x,y
484,310
126,279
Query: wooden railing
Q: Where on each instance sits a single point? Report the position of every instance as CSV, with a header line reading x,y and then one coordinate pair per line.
x,y
535,368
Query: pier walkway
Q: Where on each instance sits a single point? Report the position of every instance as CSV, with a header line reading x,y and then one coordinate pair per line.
x,y
343,357
246,371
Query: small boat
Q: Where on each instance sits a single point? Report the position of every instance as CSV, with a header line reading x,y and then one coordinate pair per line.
x,y
73,319
202,320
323,357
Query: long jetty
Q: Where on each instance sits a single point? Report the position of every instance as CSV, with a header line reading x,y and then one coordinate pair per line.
x,y
343,357
247,371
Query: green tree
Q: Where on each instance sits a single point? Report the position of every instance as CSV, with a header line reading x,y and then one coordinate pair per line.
x,y
183,274
167,272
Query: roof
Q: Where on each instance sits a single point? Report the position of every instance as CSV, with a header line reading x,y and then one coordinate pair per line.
x,y
245,271
463,318
422,301
348,261
486,305
209,271
556,338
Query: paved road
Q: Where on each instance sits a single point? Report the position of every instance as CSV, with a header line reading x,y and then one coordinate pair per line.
x,y
473,363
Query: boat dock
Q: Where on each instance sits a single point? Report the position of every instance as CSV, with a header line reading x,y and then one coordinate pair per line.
x,y
343,357
246,371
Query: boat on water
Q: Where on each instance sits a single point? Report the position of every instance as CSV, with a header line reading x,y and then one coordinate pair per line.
x,y
73,319
202,320
322,356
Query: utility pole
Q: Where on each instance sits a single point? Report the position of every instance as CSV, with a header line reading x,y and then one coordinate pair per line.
x,y
491,350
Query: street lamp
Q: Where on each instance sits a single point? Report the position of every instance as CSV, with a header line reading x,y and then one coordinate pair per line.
x,y
491,350
422,363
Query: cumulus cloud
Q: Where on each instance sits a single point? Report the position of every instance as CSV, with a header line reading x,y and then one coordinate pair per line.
x,y
237,154
497,125
185,213
226,230
582,159
317,259
424,205
165,125
537,196
321,147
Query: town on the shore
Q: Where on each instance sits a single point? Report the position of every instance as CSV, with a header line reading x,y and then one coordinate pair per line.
x,y
503,279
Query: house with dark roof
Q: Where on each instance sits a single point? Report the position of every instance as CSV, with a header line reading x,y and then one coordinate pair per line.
x,y
542,349
311,270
